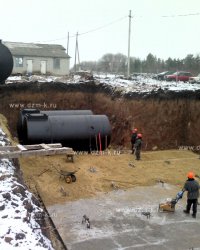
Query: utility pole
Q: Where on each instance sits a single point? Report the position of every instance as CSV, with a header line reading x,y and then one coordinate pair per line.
x,y
67,43
129,39
76,53
79,67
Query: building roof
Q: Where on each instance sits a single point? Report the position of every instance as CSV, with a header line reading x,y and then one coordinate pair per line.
x,y
36,49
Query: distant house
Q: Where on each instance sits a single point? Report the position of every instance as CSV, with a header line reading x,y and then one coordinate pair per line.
x,y
35,58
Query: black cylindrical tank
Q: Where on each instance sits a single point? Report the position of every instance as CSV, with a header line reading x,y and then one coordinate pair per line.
x,y
81,132
24,112
6,62
20,122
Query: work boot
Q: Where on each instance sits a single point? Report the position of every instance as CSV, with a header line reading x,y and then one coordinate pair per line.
x,y
186,212
194,216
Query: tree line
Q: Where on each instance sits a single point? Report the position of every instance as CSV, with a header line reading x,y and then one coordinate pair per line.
x,y
117,64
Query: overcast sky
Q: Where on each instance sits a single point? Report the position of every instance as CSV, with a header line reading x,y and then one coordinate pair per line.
x,y
49,21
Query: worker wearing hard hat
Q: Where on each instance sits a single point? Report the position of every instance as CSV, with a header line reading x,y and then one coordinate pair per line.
x,y
192,187
133,139
138,146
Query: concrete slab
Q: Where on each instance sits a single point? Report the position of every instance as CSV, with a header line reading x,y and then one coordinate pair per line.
x,y
117,222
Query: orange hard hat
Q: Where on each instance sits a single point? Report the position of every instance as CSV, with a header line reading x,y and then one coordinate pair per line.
x,y
190,175
139,135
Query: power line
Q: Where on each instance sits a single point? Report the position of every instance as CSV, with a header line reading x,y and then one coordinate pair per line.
x,y
89,31
115,21
170,16
103,26
183,15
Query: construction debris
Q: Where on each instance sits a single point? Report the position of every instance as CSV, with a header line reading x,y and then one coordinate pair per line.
x,y
114,186
131,165
147,214
162,182
86,221
64,193
44,171
92,170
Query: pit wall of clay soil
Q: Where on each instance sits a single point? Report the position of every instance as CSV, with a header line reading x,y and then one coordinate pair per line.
x,y
166,120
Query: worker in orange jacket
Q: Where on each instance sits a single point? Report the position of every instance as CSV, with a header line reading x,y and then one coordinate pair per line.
x,y
192,188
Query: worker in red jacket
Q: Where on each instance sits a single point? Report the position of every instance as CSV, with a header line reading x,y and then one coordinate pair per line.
x,y
133,139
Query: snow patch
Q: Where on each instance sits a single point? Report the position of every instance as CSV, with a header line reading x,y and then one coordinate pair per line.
x,y
18,213
140,83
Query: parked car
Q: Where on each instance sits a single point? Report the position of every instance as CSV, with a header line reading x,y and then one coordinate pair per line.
x,y
179,76
195,79
161,76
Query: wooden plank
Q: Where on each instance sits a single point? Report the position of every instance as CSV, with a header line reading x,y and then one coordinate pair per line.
x,y
34,150
53,151
8,148
21,147
33,147
38,146
45,146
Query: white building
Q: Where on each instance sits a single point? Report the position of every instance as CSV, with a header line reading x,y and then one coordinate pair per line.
x,y
32,58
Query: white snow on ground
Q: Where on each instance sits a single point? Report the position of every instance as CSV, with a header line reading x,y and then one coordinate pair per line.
x,y
17,223
141,83
145,83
